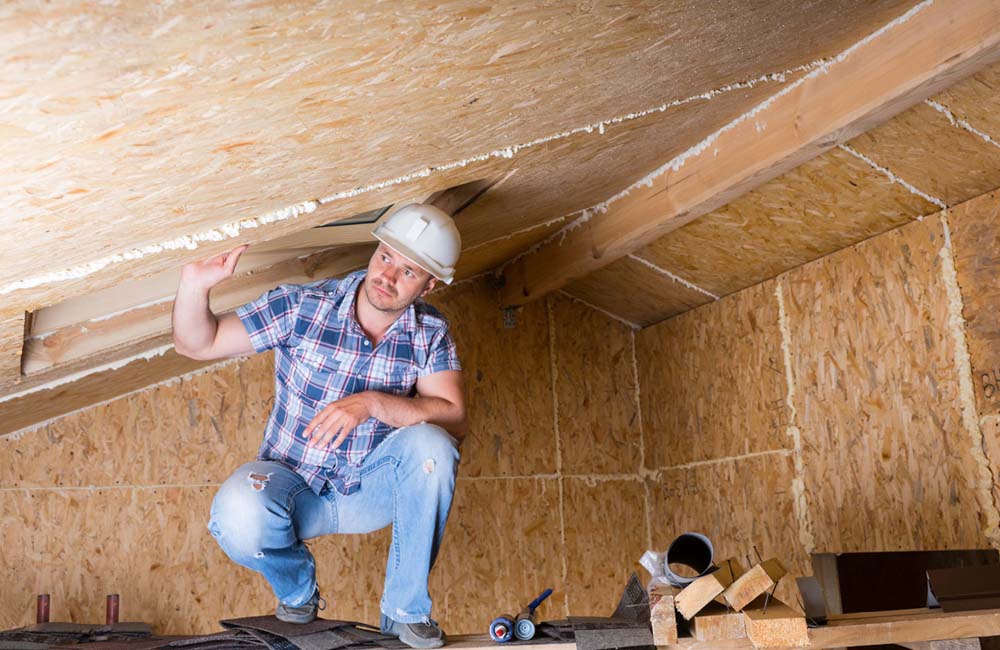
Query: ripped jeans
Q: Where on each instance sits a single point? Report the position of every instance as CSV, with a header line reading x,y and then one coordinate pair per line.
x,y
264,510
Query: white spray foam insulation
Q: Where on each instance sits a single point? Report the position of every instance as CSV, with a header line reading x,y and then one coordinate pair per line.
x,y
892,177
554,372
800,500
983,479
627,323
727,459
960,123
816,68
676,278
233,230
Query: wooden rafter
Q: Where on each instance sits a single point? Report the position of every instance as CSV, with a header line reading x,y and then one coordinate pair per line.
x,y
910,59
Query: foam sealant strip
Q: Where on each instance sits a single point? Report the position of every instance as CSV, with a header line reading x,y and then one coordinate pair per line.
x,y
960,123
554,373
727,459
627,323
892,177
967,399
233,230
676,278
806,537
675,164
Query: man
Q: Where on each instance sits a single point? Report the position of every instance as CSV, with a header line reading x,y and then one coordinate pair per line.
x,y
367,387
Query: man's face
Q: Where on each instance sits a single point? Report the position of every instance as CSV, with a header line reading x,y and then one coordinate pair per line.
x,y
394,282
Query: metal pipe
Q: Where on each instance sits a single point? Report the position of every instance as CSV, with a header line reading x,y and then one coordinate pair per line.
x,y
693,550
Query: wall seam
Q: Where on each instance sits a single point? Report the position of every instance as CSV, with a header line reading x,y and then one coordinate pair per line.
x,y
554,371
642,472
967,399
673,276
957,122
799,496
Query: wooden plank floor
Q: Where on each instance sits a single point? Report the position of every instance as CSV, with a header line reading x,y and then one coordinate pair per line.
x,y
874,628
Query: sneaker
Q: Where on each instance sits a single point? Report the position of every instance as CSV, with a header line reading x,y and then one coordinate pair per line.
x,y
416,635
303,613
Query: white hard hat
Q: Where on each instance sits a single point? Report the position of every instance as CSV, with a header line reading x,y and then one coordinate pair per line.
x,y
425,235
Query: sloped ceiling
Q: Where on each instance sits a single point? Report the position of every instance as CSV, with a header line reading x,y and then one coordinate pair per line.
x,y
137,137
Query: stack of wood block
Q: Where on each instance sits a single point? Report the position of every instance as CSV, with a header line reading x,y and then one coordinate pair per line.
x,y
729,603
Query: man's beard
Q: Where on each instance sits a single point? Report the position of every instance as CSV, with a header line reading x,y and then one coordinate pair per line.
x,y
386,310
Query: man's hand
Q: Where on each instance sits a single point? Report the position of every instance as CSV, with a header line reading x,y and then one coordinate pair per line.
x,y
337,420
206,274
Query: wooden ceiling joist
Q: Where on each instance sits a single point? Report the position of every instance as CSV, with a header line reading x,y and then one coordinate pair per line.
x,y
930,47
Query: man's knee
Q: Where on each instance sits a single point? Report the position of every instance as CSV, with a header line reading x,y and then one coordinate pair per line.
x,y
431,446
241,508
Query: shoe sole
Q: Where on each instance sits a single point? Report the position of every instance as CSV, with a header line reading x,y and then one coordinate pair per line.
x,y
420,642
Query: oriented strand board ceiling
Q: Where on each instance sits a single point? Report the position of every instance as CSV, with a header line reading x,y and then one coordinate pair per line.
x,y
135,138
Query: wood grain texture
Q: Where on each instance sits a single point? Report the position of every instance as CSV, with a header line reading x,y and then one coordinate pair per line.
x,y
632,290
502,549
712,381
605,524
975,236
738,504
598,418
195,431
976,100
868,84
926,150
508,383
877,398
321,100
830,202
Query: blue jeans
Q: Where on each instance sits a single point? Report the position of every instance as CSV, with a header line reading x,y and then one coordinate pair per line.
x,y
264,510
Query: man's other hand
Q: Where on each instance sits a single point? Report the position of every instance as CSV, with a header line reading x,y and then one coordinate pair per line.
x,y
336,421
208,273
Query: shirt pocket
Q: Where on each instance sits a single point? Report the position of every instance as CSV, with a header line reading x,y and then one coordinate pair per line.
x,y
315,377
399,378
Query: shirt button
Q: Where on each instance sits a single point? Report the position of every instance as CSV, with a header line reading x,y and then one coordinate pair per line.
x,y
367,344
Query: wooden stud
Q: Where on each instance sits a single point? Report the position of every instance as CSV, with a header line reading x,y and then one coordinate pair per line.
x,y
758,580
775,626
717,622
662,615
11,346
892,71
707,588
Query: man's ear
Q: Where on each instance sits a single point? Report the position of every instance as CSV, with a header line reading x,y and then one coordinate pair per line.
x,y
430,285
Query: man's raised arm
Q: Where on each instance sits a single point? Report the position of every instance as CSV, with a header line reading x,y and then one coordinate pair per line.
x,y
197,332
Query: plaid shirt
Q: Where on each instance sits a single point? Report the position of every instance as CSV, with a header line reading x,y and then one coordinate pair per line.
x,y
321,355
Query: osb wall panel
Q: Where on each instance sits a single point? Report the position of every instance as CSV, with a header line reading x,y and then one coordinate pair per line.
x,y
503,547
922,146
817,208
975,236
194,431
605,537
634,291
712,381
884,446
738,504
508,383
595,391
116,498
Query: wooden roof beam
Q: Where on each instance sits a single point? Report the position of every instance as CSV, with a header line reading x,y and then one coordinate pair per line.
x,y
927,49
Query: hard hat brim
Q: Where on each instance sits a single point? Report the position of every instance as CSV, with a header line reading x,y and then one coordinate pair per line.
x,y
445,275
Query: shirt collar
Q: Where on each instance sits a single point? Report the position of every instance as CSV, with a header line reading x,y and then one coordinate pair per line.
x,y
406,323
